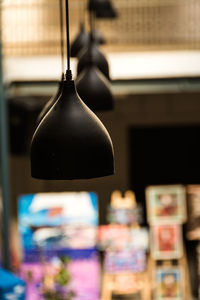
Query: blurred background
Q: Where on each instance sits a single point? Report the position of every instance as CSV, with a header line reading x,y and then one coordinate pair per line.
x,y
153,51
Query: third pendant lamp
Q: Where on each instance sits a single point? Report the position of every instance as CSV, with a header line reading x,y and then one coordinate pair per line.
x,y
70,141
98,58
92,85
81,40
102,8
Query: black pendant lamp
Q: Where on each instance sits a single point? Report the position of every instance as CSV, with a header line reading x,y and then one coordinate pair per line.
x,y
98,37
80,41
53,99
82,38
102,8
51,102
70,141
93,87
98,58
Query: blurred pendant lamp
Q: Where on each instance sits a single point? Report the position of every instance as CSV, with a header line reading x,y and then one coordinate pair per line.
x,y
70,141
98,37
53,99
93,87
103,9
80,41
92,49
82,38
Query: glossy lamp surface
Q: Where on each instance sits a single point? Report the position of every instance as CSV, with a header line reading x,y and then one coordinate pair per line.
x,y
94,89
98,58
70,141
80,41
50,103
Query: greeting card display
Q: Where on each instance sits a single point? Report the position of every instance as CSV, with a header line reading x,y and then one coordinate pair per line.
x,y
120,237
124,210
166,204
166,241
125,261
113,237
50,221
58,234
81,275
169,284
125,216
193,225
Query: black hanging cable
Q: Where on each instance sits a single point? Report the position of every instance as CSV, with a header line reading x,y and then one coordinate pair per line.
x,y
91,21
62,37
68,72
81,14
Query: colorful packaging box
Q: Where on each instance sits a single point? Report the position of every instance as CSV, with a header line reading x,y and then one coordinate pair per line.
x,y
59,234
11,287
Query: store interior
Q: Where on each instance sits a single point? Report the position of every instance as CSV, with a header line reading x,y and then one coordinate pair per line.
x,y
99,171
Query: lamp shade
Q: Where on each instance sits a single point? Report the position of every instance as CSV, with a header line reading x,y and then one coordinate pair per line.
x,y
70,141
98,58
102,8
80,41
50,103
94,88
98,37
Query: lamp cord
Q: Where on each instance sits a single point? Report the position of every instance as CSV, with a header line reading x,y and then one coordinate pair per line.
x,y
61,37
91,22
68,72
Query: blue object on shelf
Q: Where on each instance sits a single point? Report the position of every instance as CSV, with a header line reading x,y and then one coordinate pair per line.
x,y
11,287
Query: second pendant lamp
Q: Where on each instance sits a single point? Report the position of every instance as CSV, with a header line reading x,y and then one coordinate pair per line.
x,y
80,41
70,141
93,86
98,58
94,89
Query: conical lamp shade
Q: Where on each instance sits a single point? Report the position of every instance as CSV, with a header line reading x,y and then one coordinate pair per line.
x,y
80,42
94,89
102,8
82,39
98,37
50,103
71,142
98,59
